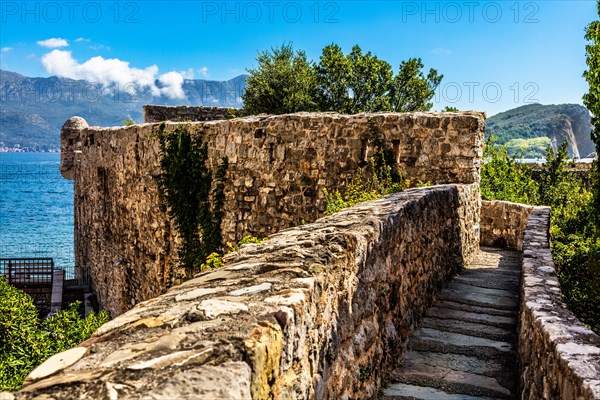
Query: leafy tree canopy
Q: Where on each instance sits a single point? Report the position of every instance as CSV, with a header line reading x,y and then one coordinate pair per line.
x,y
285,81
592,100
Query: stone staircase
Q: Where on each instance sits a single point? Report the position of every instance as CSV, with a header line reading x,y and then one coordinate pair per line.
x,y
465,347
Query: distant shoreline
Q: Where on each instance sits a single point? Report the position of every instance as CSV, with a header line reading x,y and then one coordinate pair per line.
x,y
26,150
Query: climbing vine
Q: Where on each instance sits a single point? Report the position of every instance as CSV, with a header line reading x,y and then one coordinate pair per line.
x,y
187,186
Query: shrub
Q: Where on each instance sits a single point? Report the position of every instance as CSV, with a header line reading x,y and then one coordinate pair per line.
x,y
25,342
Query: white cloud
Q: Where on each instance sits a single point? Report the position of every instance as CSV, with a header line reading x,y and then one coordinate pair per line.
x,y
107,71
203,71
80,39
53,43
171,85
6,49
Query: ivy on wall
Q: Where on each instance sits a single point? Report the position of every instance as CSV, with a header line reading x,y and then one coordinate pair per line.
x,y
194,203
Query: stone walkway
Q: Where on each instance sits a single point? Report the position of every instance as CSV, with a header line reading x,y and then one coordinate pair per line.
x,y
465,347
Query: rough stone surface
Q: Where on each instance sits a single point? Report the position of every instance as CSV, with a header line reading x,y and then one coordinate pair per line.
x,y
503,224
278,168
327,310
186,113
70,145
559,357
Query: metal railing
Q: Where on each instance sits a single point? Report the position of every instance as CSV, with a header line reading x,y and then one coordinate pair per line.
x,y
28,272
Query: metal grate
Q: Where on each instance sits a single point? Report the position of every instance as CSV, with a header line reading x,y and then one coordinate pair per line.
x,y
27,273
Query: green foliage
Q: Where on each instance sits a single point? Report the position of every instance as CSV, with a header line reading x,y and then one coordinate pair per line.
x,y
186,182
285,81
215,260
411,90
25,342
364,372
67,329
368,184
503,178
354,83
562,190
450,109
578,260
592,101
128,121
23,345
528,148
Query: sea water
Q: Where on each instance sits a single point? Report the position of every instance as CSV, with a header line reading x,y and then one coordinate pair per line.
x,y
36,209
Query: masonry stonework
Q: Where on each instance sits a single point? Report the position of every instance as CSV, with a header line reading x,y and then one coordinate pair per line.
x,y
278,168
187,113
559,358
503,224
323,310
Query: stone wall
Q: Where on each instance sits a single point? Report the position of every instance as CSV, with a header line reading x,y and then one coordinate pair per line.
x,y
322,310
186,113
503,224
278,168
559,358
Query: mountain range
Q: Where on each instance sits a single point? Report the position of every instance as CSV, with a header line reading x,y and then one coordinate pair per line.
x,y
32,110
522,128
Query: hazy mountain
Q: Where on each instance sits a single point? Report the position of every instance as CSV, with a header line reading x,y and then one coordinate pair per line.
x,y
32,110
559,123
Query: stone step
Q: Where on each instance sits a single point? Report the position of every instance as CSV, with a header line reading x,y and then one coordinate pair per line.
x,y
457,285
451,305
459,362
423,373
477,298
508,268
401,391
500,321
508,284
470,328
433,340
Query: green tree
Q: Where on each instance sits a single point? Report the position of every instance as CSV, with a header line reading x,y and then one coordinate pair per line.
x,y
411,90
333,79
592,101
353,83
283,82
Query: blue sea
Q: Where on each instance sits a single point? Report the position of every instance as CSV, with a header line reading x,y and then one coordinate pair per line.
x,y
36,209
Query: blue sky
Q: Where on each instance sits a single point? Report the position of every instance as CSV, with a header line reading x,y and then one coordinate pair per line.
x,y
494,55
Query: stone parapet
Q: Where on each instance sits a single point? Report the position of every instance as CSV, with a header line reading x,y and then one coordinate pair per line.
x,y
559,358
322,310
503,224
154,113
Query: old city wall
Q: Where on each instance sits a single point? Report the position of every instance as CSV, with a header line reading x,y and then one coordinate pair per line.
x,y
154,113
323,310
278,168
